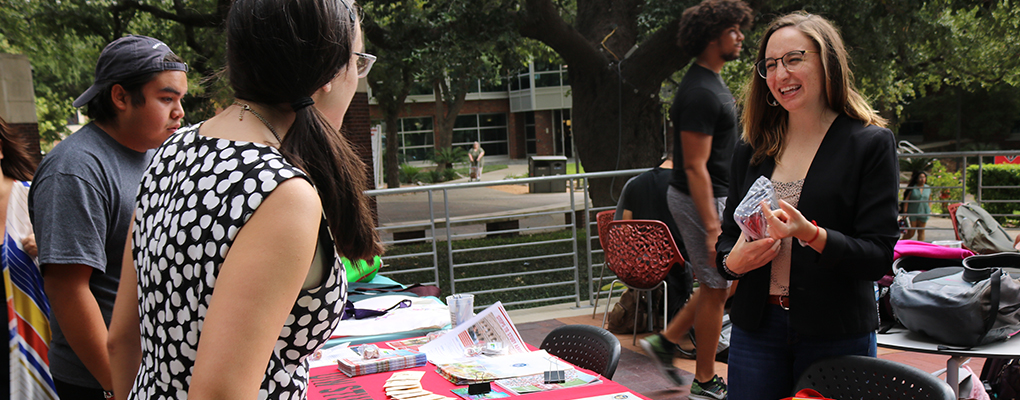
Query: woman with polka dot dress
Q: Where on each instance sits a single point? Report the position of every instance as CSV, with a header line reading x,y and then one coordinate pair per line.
x,y
241,219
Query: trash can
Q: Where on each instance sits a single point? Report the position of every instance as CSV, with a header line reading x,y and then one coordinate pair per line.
x,y
547,166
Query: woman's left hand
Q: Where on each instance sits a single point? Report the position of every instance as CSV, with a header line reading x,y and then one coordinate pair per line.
x,y
787,221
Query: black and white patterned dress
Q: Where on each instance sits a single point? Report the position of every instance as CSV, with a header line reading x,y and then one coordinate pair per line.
x,y
195,197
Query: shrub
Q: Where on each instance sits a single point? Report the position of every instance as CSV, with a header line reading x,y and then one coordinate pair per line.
x,y
409,173
940,180
450,174
996,175
449,156
434,176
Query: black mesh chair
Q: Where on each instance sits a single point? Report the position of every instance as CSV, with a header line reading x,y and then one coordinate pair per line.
x,y
585,346
859,377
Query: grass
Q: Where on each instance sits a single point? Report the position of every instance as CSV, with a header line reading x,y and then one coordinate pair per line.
x,y
491,257
574,168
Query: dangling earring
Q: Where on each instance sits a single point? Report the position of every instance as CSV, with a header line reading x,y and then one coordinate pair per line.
x,y
771,100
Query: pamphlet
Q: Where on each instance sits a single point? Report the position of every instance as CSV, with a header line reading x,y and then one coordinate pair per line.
x,y
459,357
492,325
463,393
413,344
484,369
536,383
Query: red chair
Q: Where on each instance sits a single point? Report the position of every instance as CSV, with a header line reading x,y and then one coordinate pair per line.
x,y
602,220
952,217
640,253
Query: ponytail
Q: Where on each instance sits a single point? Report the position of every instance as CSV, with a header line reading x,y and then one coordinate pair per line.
x,y
338,174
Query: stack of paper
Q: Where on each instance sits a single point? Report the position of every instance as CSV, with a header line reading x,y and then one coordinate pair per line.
x,y
353,364
407,386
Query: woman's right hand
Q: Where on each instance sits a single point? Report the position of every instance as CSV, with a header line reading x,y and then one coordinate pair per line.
x,y
748,256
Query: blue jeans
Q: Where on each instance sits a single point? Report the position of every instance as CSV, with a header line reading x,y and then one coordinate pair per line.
x,y
765,364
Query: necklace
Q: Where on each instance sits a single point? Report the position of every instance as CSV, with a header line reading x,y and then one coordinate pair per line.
x,y
245,107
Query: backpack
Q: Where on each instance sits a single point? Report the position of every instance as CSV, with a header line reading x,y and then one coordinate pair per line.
x,y
980,232
1002,375
971,305
621,318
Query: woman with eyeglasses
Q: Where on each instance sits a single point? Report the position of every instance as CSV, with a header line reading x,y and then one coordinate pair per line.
x,y
807,291
242,219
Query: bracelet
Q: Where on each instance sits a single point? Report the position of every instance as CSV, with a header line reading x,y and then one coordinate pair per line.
x,y
817,231
727,268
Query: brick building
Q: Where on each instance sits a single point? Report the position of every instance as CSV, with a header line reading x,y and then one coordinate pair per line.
x,y
528,116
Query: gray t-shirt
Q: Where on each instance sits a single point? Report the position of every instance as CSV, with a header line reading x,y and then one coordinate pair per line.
x,y
81,203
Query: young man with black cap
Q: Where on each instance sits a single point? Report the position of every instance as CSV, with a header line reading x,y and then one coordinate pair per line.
x,y
83,197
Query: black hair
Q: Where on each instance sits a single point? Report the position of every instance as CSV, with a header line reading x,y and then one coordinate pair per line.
x,y
705,22
279,51
17,163
915,177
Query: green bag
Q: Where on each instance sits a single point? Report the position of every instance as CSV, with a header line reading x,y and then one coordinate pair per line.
x,y
360,270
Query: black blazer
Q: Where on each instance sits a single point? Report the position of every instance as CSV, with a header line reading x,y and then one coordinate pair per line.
x,y
850,190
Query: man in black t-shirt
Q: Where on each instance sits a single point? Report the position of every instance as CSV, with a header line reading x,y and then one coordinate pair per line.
x,y
705,124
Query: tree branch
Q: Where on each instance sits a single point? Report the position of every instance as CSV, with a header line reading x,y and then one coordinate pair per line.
x,y
540,21
186,18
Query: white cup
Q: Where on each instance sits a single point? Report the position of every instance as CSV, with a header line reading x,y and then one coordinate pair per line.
x,y
461,307
953,244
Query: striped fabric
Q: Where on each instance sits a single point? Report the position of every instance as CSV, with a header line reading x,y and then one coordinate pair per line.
x,y
28,309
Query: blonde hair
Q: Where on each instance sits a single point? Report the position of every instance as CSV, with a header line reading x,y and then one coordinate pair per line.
x,y
764,126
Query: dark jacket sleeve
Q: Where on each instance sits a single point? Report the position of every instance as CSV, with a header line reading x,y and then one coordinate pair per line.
x,y
738,188
861,235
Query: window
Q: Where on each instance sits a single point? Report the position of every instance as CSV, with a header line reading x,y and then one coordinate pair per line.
x,y
490,130
416,138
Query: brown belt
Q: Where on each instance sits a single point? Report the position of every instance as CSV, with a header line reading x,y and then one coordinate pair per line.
x,y
782,301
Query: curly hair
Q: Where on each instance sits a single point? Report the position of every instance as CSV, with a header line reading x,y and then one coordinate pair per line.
x,y
705,22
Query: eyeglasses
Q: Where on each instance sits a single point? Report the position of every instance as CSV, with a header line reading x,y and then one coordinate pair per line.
x,y
364,63
791,61
350,10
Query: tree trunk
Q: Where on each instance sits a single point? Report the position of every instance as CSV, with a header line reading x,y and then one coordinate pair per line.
x,y
613,129
450,98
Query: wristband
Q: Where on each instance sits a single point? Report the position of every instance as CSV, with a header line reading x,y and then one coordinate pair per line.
x,y
817,231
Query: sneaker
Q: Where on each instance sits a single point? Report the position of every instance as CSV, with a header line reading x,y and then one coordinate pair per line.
x,y
714,389
661,352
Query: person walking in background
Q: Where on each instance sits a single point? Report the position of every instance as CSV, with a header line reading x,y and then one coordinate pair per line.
x,y
917,203
475,157
807,291
261,199
83,196
27,311
705,123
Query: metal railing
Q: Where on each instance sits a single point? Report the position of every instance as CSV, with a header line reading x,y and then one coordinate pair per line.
x,y
433,237
564,261
944,195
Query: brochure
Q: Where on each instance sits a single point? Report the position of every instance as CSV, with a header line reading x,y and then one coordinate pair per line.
x,y
536,383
